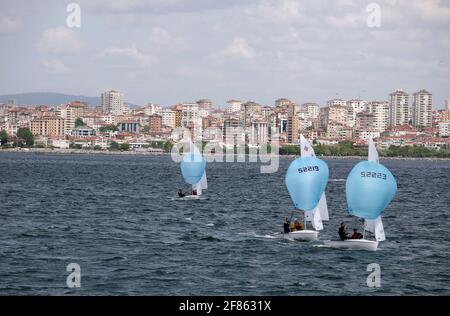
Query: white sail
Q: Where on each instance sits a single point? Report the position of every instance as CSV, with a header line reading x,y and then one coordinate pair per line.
x,y
197,188
375,226
201,185
373,153
322,207
315,218
307,150
204,182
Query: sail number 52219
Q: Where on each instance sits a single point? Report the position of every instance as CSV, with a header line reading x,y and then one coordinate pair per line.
x,y
308,169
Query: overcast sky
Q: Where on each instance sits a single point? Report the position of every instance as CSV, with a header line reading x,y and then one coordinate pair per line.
x,y
171,51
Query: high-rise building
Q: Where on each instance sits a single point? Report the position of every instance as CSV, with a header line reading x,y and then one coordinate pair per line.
x,y
112,102
398,108
234,106
380,111
447,105
293,125
70,112
422,108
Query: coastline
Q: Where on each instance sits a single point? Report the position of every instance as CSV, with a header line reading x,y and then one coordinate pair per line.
x,y
48,151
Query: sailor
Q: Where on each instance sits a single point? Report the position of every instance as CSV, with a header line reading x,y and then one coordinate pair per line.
x,y
286,226
342,232
194,192
298,225
356,235
180,193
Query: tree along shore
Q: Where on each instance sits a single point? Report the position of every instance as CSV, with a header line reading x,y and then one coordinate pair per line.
x,y
341,151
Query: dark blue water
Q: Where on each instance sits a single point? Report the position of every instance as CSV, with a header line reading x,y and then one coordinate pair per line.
x,y
116,217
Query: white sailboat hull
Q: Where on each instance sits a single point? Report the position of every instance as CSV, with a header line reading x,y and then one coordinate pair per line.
x,y
353,244
304,235
192,197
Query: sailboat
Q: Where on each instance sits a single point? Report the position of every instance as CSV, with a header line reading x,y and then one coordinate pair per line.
x,y
193,169
306,180
370,187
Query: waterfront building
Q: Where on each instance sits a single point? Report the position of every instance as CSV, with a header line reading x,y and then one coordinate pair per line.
x,y
51,126
82,132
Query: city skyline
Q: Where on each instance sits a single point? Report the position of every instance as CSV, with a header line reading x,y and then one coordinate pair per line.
x,y
155,51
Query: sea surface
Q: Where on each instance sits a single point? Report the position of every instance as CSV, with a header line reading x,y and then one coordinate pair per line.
x,y
118,218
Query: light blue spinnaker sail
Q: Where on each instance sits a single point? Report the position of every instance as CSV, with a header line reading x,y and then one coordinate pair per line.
x,y
370,187
306,180
193,166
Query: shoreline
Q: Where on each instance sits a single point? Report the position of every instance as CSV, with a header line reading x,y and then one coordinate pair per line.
x,y
47,151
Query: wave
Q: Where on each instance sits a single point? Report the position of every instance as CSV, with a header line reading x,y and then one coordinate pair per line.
x,y
337,180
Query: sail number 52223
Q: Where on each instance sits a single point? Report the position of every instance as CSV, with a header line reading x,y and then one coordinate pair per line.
x,y
369,174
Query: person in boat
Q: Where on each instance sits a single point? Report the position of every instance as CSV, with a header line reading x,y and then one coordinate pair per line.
x,y
297,225
343,232
287,226
356,235
194,192
180,193
292,227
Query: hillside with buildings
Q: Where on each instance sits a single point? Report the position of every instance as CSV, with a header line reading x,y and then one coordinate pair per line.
x,y
403,119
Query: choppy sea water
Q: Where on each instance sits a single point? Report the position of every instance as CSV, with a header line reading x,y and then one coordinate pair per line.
x,y
117,217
